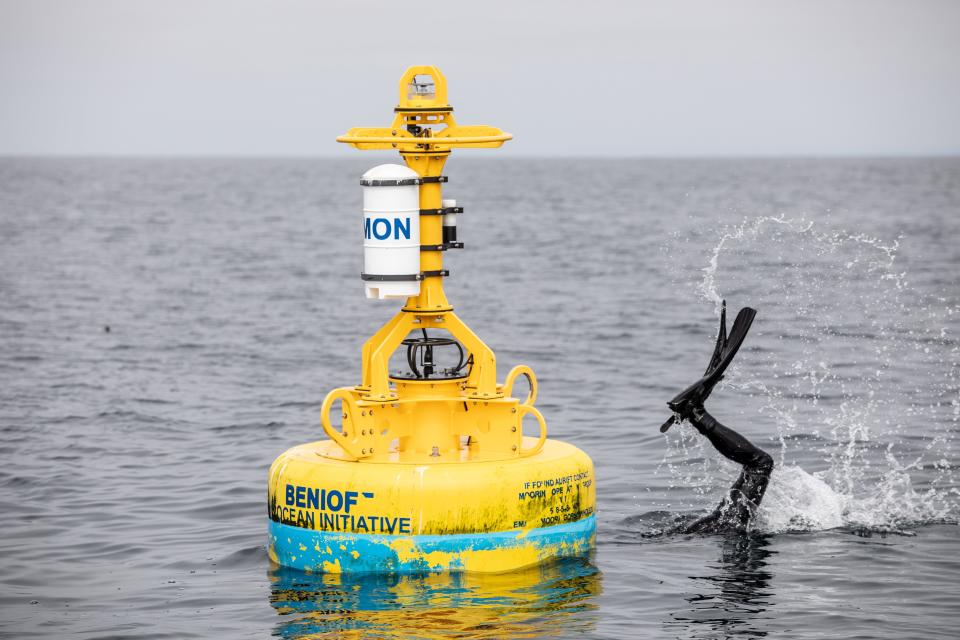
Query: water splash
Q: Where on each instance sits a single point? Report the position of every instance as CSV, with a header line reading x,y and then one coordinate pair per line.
x,y
857,368
797,500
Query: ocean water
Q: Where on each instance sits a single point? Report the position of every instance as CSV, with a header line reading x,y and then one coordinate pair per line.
x,y
167,327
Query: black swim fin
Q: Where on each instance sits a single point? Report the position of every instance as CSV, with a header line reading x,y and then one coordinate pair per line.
x,y
726,348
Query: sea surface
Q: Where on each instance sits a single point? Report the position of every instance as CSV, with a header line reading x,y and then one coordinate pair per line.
x,y
169,326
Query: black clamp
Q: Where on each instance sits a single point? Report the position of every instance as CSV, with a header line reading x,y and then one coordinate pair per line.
x,y
440,273
440,212
441,247
391,278
401,182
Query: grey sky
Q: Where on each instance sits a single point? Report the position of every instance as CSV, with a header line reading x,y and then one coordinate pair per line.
x,y
672,78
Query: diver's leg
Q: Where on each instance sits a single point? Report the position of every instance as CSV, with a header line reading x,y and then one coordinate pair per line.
x,y
747,492
711,523
729,443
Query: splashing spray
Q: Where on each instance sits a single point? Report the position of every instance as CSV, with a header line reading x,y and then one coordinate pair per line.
x,y
856,367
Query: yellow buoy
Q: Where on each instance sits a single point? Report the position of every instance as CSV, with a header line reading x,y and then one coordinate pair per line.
x,y
426,470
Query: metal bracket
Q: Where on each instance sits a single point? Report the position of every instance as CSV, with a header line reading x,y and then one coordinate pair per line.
x,y
403,182
391,278
441,247
440,212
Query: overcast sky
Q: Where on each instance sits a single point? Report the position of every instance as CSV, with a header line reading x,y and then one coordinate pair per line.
x,y
671,78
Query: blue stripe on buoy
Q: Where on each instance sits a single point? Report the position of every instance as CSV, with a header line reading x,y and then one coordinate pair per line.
x,y
335,552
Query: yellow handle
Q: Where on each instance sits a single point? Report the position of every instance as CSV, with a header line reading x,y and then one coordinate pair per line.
x,y
523,410
515,373
349,409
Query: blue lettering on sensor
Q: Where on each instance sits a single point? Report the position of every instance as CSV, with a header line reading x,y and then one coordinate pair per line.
x,y
383,228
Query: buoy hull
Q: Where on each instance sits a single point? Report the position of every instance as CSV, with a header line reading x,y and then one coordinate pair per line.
x,y
331,515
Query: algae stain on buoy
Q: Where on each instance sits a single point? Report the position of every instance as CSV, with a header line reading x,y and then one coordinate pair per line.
x,y
426,469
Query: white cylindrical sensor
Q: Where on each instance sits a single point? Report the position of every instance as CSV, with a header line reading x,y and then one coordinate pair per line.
x,y
391,232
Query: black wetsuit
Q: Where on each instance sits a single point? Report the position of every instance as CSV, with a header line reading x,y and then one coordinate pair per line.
x,y
746,493
741,502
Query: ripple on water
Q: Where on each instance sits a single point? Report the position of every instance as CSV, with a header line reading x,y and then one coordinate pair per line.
x,y
134,461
